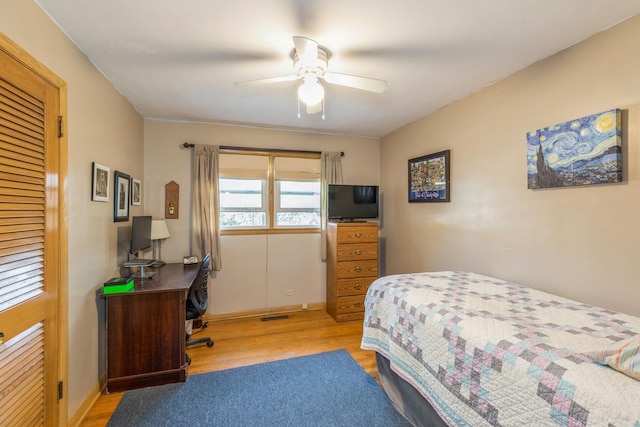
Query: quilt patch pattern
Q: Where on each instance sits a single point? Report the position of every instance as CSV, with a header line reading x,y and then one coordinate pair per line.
x,y
484,351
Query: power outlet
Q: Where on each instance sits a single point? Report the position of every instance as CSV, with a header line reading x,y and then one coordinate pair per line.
x,y
305,306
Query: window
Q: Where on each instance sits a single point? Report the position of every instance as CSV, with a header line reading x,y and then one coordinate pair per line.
x,y
297,203
242,202
269,191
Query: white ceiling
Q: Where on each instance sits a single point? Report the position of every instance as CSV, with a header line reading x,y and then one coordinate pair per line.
x,y
178,60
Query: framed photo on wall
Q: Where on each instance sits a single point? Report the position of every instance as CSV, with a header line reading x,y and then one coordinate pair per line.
x,y
99,182
121,187
136,192
429,178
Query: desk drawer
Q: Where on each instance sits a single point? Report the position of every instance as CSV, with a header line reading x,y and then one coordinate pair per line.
x,y
352,269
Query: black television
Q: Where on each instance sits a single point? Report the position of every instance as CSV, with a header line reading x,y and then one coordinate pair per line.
x,y
140,234
352,202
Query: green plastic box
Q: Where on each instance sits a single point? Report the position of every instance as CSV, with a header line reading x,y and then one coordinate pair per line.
x,y
118,285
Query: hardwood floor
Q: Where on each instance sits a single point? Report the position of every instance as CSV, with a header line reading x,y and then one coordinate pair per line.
x,y
242,342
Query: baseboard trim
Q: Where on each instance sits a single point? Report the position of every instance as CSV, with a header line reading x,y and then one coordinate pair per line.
x,y
264,312
88,403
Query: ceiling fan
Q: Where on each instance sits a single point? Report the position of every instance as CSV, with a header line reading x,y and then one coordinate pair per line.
x,y
310,62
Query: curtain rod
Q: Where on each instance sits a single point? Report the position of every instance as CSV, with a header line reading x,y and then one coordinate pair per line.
x,y
228,147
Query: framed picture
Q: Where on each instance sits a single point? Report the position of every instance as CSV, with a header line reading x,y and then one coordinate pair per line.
x,y
581,151
136,192
429,178
121,188
99,182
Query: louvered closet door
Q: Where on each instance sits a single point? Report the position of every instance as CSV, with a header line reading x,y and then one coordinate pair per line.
x,y
29,255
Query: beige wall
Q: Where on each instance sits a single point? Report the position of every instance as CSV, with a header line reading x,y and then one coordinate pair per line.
x,y
102,127
257,270
580,242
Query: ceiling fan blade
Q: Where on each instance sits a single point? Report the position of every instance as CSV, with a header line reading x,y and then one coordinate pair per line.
x,y
307,51
358,82
269,80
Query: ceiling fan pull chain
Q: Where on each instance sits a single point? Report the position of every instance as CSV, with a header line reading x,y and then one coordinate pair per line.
x,y
322,108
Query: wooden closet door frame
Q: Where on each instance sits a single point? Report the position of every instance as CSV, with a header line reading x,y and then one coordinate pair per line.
x,y
61,334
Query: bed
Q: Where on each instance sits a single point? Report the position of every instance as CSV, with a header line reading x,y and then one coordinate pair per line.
x,y
458,348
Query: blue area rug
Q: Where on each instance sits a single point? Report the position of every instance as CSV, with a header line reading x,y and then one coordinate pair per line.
x,y
327,389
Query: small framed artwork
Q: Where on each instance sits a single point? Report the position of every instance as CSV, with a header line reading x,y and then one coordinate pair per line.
x,y
429,178
136,192
99,182
121,186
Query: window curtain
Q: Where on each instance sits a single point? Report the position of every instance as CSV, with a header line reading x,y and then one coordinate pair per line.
x,y
205,228
330,173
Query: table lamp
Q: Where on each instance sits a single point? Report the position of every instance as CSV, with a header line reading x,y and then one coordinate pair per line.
x,y
159,232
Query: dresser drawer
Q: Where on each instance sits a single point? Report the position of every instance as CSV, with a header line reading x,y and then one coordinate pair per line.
x,y
357,234
352,304
346,317
357,286
351,269
355,251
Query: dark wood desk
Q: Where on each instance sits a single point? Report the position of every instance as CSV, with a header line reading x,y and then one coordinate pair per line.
x,y
146,330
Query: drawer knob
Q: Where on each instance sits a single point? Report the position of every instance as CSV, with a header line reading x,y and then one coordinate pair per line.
x,y
1,337
358,304
357,269
357,252
358,235
358,286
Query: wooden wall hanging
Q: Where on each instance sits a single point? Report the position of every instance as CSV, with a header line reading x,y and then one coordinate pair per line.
x,y
171,200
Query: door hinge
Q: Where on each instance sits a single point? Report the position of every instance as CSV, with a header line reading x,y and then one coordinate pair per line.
x,y
60,127
60,390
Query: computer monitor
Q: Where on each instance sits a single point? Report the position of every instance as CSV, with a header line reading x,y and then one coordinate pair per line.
x,y
140,240
140,234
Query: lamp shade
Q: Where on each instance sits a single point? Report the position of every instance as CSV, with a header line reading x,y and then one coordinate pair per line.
x,y
159,229
310,91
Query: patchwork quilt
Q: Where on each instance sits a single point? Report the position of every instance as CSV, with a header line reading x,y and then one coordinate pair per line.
x,y
484,351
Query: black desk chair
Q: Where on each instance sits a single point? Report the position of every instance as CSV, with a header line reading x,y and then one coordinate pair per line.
x,y
197,301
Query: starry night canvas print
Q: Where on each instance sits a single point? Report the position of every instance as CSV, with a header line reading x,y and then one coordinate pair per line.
x,y
578,152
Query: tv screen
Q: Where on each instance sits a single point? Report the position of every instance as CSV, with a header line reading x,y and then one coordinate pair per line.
x,y
349,202
140,233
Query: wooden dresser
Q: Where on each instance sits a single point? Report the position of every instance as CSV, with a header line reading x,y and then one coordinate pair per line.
x,y
352,265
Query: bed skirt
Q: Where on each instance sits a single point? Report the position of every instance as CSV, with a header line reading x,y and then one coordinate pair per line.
x,y
407,400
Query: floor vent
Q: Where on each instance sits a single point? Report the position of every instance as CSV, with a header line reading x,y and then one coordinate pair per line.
x,y
283,316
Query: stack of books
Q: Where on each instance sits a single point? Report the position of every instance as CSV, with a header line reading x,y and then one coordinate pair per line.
x,y
118,285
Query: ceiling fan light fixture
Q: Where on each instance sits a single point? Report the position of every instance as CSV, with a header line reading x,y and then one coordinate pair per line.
x,y
310,91
310,62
